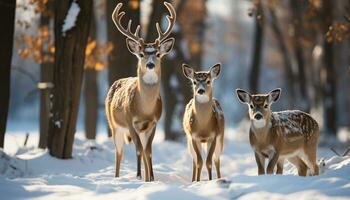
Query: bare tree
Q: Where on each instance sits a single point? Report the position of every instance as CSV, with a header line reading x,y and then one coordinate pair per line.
x,y
46,75
91,91
258,45
7,18
329,86
68,73
289,75
297,25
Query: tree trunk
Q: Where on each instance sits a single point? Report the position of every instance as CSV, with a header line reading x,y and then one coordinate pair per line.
x,y
91,92
68,74
7,18
258,45
121,63
329,87
91,103
289,75
299,54
46,76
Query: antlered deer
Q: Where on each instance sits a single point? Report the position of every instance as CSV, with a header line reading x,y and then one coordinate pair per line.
x,y
203,121
290,134
133,105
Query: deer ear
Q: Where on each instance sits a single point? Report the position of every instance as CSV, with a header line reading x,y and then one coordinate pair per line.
x,y
274,95
243,96
215,71
133,47
166,46
187,71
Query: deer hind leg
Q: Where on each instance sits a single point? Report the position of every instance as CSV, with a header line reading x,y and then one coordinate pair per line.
x,y
217,153
280,166
309,157
118,140
299,164
209,160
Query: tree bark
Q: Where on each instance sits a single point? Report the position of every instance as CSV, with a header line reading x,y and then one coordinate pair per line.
x,y
7,19
258,45
289,75
121,63
68,74
329,87
46,76
91,92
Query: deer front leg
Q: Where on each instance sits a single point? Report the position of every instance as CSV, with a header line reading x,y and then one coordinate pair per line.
x,y
272,163
209,160
260,161
198,160
190,145
148,152
138,148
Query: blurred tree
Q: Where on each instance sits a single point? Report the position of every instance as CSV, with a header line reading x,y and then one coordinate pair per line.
x,y
121,63
257,46
298,29
329,85
7,18
289,75
68,73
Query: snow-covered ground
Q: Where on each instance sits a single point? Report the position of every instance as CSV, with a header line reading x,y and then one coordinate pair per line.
x,y
31,173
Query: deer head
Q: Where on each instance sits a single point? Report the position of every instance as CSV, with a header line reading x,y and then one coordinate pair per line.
x,y
149,54
259,105
202,81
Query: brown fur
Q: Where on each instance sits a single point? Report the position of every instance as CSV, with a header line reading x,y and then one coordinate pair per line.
x,y
133,105
203,123
291,135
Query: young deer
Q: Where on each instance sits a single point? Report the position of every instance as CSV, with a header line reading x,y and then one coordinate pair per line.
x,y
291,134
133,105
203,121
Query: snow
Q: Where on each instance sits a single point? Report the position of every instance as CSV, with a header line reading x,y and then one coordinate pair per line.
x,y
71,18
90,173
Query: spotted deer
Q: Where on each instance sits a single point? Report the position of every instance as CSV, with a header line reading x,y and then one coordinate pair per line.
x,y
133,105
276,136
203,121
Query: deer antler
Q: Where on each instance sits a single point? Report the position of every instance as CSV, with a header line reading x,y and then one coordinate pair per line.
x,y
171,21
117,16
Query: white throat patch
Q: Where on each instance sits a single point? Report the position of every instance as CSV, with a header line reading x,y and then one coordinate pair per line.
x,y
259,123
150,77
202,98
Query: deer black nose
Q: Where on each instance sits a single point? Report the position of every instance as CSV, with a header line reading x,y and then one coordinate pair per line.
x,y
258,116
201,91
150,65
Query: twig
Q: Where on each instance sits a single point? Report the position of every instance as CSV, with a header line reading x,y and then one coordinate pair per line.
x,y
26,140
346,151
334,151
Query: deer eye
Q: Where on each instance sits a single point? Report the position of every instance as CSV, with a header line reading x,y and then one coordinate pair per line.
x,y
158,54
251,106
266,106
208,82
195,82
142,55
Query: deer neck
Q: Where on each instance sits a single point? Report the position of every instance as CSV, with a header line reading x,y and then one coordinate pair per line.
x,y
262,133
147,95
203,111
